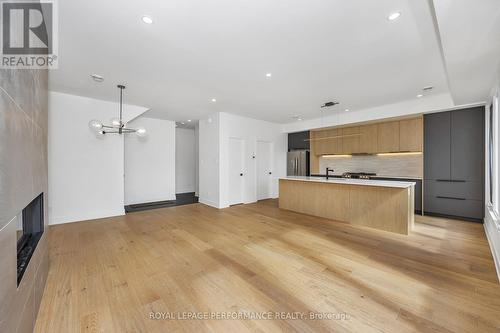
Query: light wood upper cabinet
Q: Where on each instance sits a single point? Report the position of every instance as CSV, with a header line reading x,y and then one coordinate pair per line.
x,y
388,137
350,140
335,140
326,142
368,139
313,157
317,141
411,135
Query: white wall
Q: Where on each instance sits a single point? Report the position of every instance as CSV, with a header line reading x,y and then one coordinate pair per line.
x,y
209,172
197,159
214,155
85,172
185,160
150,162
251,131
431,103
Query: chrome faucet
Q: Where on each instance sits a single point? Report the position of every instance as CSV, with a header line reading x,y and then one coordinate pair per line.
x,y
328,171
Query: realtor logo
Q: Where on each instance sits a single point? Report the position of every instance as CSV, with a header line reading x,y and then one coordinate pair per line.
x,y
29,34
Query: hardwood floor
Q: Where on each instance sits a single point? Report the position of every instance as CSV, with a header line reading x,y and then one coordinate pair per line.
x,y
109,275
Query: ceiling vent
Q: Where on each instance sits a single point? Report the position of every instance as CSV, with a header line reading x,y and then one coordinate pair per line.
x,y
97,77
428,88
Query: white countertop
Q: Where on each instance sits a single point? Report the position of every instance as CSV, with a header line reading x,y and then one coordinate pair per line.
x,y
348,181
380,176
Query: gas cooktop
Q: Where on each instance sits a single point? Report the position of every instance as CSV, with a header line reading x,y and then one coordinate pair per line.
x,y
358,175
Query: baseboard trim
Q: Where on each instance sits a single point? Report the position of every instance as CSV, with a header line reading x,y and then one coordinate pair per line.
x,y
492,230
454,217
158,199
209,203
53,220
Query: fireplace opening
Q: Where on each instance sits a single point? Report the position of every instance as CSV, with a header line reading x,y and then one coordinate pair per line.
x,y
29,231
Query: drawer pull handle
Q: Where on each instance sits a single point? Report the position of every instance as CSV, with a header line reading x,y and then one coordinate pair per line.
x,y
452,198
451,180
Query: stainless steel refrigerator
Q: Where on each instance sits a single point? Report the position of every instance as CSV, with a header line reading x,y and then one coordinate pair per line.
x,y
298,163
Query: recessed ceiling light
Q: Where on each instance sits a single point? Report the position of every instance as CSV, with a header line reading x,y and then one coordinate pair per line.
x,y
346,110
299,119
214,100
420,95
394,16
147,19
97,77
189,120
269,74
183,123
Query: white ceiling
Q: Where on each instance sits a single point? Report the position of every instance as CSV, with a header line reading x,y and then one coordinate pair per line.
x,y
316,50
470,34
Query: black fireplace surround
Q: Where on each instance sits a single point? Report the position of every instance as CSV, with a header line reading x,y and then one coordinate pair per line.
x,y
29,233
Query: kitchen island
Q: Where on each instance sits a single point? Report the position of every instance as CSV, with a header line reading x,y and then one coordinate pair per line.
x,y
379,204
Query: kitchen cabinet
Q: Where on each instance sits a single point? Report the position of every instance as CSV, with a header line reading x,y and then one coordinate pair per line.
x,y
320,143
350,140
410,135
467,144
456,189
381,206
335,140
368,139
468,209
313,156
316,137
388,137
317,141
437,141
418,190
327,142
298,140
454,163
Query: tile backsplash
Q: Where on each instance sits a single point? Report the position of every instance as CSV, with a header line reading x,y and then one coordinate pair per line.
x,y
404,166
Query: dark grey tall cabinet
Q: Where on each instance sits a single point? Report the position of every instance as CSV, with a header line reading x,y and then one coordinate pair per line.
x,y
454,163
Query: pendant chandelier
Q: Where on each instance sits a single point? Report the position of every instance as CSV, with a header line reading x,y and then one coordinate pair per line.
x,y
117,125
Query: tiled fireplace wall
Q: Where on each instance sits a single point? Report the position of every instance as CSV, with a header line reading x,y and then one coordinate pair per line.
x,y
23,176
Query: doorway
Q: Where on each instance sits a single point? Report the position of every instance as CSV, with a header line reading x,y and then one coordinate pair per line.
x,y
236,172
264,170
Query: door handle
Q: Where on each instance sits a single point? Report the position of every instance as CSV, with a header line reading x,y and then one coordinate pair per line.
x,y
451,198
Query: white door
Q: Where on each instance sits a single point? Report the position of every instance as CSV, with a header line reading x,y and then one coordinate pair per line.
x,y
236,175
264,170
